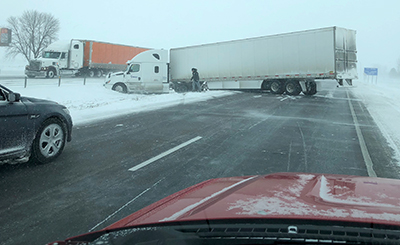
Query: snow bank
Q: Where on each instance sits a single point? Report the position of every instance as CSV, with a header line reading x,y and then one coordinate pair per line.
x,y
91,102
382,99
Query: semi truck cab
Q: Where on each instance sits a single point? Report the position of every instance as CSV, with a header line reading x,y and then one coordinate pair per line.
x,y
147,72
61,55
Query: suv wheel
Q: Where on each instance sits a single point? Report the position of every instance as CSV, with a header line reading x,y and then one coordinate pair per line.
x,y
49,141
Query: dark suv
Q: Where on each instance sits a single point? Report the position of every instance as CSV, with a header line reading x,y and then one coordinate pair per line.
x,y
31,128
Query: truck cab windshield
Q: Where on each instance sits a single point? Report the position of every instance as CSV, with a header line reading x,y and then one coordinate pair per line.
x,y
51,55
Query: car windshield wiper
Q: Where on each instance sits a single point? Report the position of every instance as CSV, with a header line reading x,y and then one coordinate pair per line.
x,y
251,234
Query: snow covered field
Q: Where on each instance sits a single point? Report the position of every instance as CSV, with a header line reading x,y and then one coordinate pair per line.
x,y
92,101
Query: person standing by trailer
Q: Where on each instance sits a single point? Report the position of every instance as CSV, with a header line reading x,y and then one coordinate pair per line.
x,y
195,80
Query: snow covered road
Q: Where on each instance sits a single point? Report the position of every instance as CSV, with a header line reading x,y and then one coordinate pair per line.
x,y
92,101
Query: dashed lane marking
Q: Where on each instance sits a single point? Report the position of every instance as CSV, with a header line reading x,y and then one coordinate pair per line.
x,y
153,159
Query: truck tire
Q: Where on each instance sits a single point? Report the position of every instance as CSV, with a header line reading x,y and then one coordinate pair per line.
x,y
277,87
120,87
311,87
51,73
49,141
292,87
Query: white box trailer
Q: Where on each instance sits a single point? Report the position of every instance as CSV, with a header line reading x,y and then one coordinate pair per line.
x,y
286,63
289,62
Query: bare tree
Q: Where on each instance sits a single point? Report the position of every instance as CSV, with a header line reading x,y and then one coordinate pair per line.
x,y
32,32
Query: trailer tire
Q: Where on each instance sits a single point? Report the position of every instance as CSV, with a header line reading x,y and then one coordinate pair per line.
x,y
311,87
99,73
277,87
51,73
266,85
120,87
292,87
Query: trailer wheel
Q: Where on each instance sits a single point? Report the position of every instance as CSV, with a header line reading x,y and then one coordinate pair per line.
x,y
311,87
277,87
266,85
292,87
120,87
51,73
99,73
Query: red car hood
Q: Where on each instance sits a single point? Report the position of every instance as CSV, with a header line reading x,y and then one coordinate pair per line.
x,y
279,196
291,196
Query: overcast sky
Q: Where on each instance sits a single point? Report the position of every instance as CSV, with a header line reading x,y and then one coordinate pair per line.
x,y
167,24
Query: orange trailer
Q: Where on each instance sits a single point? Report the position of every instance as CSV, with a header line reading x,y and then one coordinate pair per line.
x,y
81,58
101,55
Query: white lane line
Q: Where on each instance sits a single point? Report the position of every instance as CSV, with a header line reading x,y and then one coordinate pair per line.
x,y
363,146
111,215
145,163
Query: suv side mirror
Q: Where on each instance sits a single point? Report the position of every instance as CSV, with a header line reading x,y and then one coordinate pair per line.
x,y
13,97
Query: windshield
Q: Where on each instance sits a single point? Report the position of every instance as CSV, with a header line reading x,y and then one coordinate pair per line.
x,y
137,114
51,55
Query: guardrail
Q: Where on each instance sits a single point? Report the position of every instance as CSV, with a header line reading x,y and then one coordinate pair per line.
x,y
21,80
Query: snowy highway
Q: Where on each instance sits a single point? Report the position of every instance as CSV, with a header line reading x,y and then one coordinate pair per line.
x,y
131,150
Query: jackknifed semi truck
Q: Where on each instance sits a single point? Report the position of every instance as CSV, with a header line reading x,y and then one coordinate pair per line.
x,y
288,63
81,58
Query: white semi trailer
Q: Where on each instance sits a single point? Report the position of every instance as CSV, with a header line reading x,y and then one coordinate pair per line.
x,y
286,63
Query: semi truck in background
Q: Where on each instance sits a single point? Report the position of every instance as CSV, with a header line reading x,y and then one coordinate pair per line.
x,y
81,58
288,63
